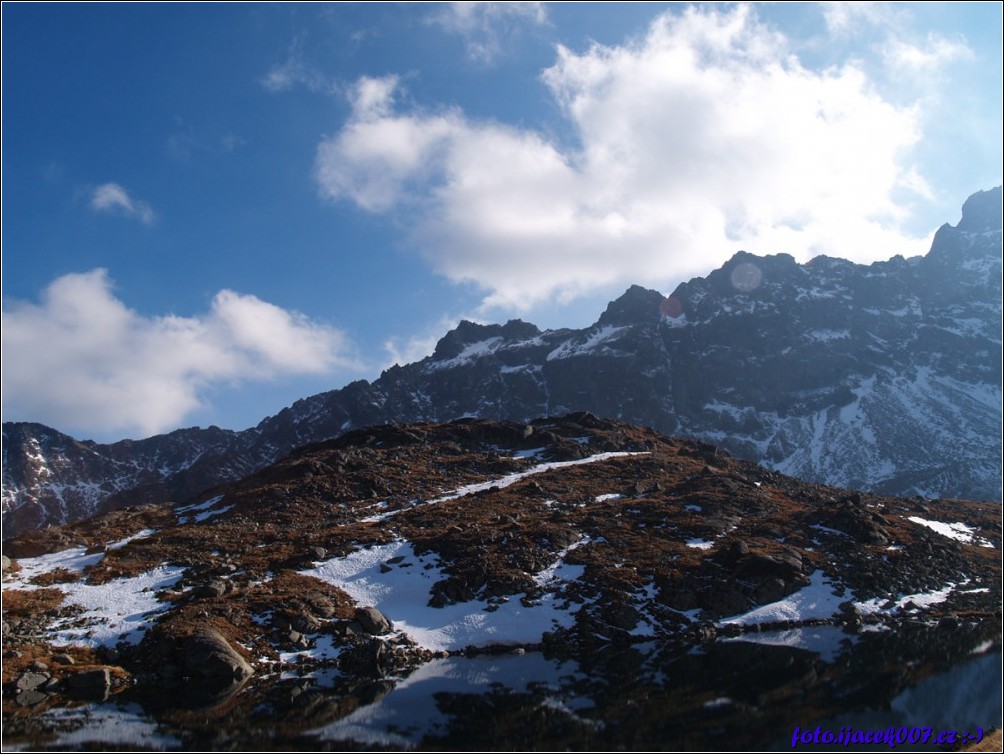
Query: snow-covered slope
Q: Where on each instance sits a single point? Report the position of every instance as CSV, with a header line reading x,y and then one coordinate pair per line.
x,y
884,377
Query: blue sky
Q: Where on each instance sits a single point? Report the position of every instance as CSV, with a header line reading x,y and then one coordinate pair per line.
x,y
210,211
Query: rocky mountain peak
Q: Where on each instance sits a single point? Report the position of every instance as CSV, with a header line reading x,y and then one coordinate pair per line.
x,y
636,305
468,333
982,212
976,238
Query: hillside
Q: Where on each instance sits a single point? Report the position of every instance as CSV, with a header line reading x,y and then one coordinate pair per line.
x,y
283,608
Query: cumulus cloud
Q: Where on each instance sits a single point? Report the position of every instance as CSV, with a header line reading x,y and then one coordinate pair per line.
x,y
111,197
81,358
484,26
704,136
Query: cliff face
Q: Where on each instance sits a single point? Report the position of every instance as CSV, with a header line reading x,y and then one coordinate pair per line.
x,y
885,377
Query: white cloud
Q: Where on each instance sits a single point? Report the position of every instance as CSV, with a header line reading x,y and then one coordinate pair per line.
x,y
111,197
83,359
485,25
846,17
407,350
703,137
931,55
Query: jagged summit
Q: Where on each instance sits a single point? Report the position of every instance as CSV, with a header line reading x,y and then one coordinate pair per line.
x,y
636,305
982,212
883,377
469,333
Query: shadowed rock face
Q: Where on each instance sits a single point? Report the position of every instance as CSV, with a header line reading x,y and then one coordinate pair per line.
x,y
885,377
666,575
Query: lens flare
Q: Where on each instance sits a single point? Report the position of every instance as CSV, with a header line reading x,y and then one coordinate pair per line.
x,y
746,277
671,307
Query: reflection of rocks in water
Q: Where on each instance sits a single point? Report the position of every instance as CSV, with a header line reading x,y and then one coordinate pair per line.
x,y
201,668
504,718
738,693
727,695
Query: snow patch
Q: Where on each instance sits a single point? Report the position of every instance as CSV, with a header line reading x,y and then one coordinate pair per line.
x,y
403,593
957,531
595,342
511,479
700,544
119,610
200,511
817,601
921,600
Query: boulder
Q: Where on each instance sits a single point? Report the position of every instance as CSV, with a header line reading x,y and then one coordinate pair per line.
x,y
31,680
209,656
94,683
373,621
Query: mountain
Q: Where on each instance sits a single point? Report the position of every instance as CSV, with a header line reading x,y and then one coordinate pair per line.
x,y
608,585
882,377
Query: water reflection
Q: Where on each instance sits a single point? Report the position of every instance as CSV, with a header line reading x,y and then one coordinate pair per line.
x,y
423,706
745,693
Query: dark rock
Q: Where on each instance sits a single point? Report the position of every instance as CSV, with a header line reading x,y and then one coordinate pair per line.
x,y
726,600
211,589
373,621
624,617
94,683
209,656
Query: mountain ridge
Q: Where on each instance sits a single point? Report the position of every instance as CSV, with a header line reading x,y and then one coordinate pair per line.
x,y
884,376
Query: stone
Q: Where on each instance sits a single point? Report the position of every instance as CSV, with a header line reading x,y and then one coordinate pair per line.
x,y
31,680
373,621
209,656
96,682
623,616
211,589
322,607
